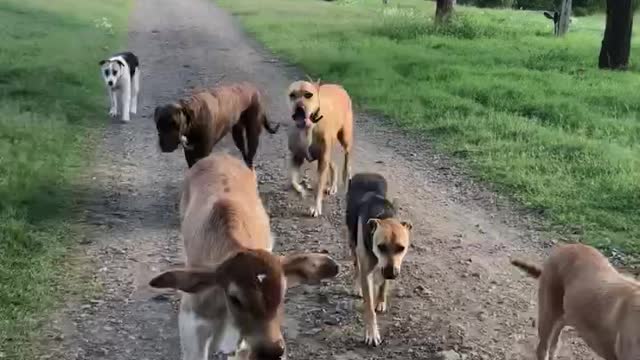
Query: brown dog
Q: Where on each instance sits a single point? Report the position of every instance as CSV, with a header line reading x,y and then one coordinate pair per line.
x,y
233,285
379,242
200,121
323,115
580,288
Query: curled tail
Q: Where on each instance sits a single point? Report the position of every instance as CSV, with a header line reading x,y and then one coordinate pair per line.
x,y
532,270
267,125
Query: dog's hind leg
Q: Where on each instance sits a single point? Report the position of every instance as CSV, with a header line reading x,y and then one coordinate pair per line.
x,y
135,89
253,141
237,132
125,99
550,318
345,141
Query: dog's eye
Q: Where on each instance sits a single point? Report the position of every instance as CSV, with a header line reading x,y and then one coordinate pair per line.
x,y
292,95
399,249
235,301
382,248
115,73
106,72
308,95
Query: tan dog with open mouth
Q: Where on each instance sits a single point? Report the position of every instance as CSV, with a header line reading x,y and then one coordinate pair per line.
x,y
323,115
200,121
233,285
579,288
379,242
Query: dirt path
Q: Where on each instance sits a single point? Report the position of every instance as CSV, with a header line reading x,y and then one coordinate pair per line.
x,y
457,289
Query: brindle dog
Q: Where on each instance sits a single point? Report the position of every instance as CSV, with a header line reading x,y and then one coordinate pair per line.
x,y
201,120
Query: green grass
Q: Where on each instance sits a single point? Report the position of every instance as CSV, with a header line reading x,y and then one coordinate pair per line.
x,y
528,112
52,104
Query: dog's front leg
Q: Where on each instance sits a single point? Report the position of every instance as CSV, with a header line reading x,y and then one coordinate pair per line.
x,y
296,164
196,334
371,332
323,172
113,96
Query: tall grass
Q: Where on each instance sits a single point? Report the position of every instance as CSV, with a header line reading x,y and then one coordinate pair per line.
x,y
529,112
51,102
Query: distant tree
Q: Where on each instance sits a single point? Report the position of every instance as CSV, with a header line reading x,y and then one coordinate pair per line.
x,y
565,17
444,9
616,44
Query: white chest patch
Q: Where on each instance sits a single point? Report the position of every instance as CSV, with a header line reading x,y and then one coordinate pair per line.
x,y
229,339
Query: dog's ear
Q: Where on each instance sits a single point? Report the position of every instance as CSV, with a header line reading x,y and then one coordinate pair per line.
x,y
102,62
120,63
308,268
407,225
548,15
187,110
373,224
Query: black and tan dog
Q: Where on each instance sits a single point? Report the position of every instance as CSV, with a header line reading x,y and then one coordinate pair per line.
x,y
200,121
378,241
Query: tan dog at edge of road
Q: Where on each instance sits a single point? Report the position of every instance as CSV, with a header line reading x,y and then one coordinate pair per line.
x,y
323,116
233,286
378,241
579,288
201,120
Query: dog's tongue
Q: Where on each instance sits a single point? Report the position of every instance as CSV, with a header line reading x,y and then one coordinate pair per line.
x,y
305,123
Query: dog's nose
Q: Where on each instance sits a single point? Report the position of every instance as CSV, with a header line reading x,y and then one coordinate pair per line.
x,y
390,272
110,83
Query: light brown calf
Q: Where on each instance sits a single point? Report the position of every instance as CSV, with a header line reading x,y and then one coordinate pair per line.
x,y
580,288
233,285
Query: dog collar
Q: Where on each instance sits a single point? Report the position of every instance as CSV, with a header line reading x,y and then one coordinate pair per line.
x,y
315,117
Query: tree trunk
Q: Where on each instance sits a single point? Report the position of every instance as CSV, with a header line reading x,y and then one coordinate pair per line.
x,y
565,17
616,44
444,9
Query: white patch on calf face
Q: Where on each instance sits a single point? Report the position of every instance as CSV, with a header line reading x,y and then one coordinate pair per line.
x,y
261,277
229,339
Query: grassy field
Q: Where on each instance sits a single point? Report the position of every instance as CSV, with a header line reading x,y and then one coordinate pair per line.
x,y
52,102
528,112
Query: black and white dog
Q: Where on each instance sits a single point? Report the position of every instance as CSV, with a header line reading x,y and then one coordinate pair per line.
x,y
121,74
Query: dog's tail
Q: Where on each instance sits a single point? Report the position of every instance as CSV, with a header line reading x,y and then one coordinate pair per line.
x,y
267,125
532,270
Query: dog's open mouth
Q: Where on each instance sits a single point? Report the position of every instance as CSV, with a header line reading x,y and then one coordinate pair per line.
x,y
299,116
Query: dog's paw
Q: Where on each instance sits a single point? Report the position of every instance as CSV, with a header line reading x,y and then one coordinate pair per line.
x,y
381,307
299,189
113,112
331,190
125,119
357,290
134,110
315,211
372,336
